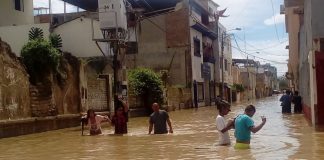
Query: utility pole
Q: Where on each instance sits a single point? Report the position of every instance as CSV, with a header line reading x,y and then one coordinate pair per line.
x,y
222,64
115,68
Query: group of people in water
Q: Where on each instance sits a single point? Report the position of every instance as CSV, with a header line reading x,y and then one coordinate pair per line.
x,y
158,119
289,98
243,125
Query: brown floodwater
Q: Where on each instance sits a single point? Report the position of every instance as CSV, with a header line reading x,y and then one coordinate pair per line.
x,y
195,137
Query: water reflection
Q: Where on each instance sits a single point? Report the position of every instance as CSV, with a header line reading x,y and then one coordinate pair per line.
x,y
195,137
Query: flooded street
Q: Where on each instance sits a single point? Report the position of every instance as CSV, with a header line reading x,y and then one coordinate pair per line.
x,y
195,137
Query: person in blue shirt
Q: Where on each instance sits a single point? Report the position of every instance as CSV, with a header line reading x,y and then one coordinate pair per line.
x,y
244,125
286,102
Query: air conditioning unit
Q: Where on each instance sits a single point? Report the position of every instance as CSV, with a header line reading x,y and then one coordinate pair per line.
x,y
112,14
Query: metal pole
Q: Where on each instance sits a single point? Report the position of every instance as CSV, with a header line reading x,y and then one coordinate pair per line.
x,y
50,11
115,67
222,63
64,11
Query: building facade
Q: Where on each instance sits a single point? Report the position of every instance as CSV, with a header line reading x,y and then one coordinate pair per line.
x,y
16,12
310,45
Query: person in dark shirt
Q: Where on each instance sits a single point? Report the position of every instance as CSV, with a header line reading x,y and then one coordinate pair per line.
x,y
120,118
158,121
297,100
286,102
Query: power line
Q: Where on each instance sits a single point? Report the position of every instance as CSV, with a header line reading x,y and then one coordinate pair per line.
x,y
259,57
274,20
238,48
257,49
275,45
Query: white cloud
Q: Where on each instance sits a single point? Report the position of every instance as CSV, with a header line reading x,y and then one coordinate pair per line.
x,y
243,12
277,19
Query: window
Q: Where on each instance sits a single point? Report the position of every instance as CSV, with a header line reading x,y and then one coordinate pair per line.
x,y
205,19
200,89
19,5
197,47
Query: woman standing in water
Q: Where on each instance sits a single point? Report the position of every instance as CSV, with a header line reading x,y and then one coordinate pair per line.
x,y
94,121
120,119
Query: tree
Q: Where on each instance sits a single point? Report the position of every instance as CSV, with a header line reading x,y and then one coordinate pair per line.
x,y
41,57
146,84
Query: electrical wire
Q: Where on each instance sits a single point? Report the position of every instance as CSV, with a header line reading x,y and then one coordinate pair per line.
x,y
262,50
274,20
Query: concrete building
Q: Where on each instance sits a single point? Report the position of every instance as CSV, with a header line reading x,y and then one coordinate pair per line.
x,y
16,19
311,51
236,74
184,45
248,76
225,64
16,12
292,27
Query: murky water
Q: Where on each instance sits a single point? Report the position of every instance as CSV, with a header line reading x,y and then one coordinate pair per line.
x,y
195,137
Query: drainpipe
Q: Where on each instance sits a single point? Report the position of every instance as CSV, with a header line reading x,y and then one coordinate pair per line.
x,y
50,10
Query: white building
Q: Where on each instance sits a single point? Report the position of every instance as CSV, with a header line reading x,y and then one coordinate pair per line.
x,y
16,12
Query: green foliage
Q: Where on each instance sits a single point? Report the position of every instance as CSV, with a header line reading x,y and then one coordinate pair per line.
x,y
40,58
146,84
35,33
55,40
238,87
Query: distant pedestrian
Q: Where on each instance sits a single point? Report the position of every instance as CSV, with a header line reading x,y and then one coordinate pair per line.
x,y
94,121
286,102
297,100
159,120
120,118
224,109
244,125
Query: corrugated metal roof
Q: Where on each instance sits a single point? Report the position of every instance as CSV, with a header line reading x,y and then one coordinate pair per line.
x,y
148,5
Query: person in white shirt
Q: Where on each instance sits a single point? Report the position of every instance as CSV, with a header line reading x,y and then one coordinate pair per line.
x,y
224,109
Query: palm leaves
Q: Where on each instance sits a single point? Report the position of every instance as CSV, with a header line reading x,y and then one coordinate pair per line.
x,y
55,40
37,34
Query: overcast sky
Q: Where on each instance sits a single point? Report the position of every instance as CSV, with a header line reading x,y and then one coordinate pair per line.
x,y
263,28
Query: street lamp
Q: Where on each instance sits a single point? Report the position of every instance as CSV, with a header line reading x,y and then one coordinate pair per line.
x,y
224,35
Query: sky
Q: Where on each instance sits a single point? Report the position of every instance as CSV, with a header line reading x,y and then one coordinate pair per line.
x,y
263,31
263,35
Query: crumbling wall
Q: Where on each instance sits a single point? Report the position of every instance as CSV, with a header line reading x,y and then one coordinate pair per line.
x,y
14,86
66,91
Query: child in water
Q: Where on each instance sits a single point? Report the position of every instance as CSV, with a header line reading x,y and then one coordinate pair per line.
x,y
224,109
94,121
